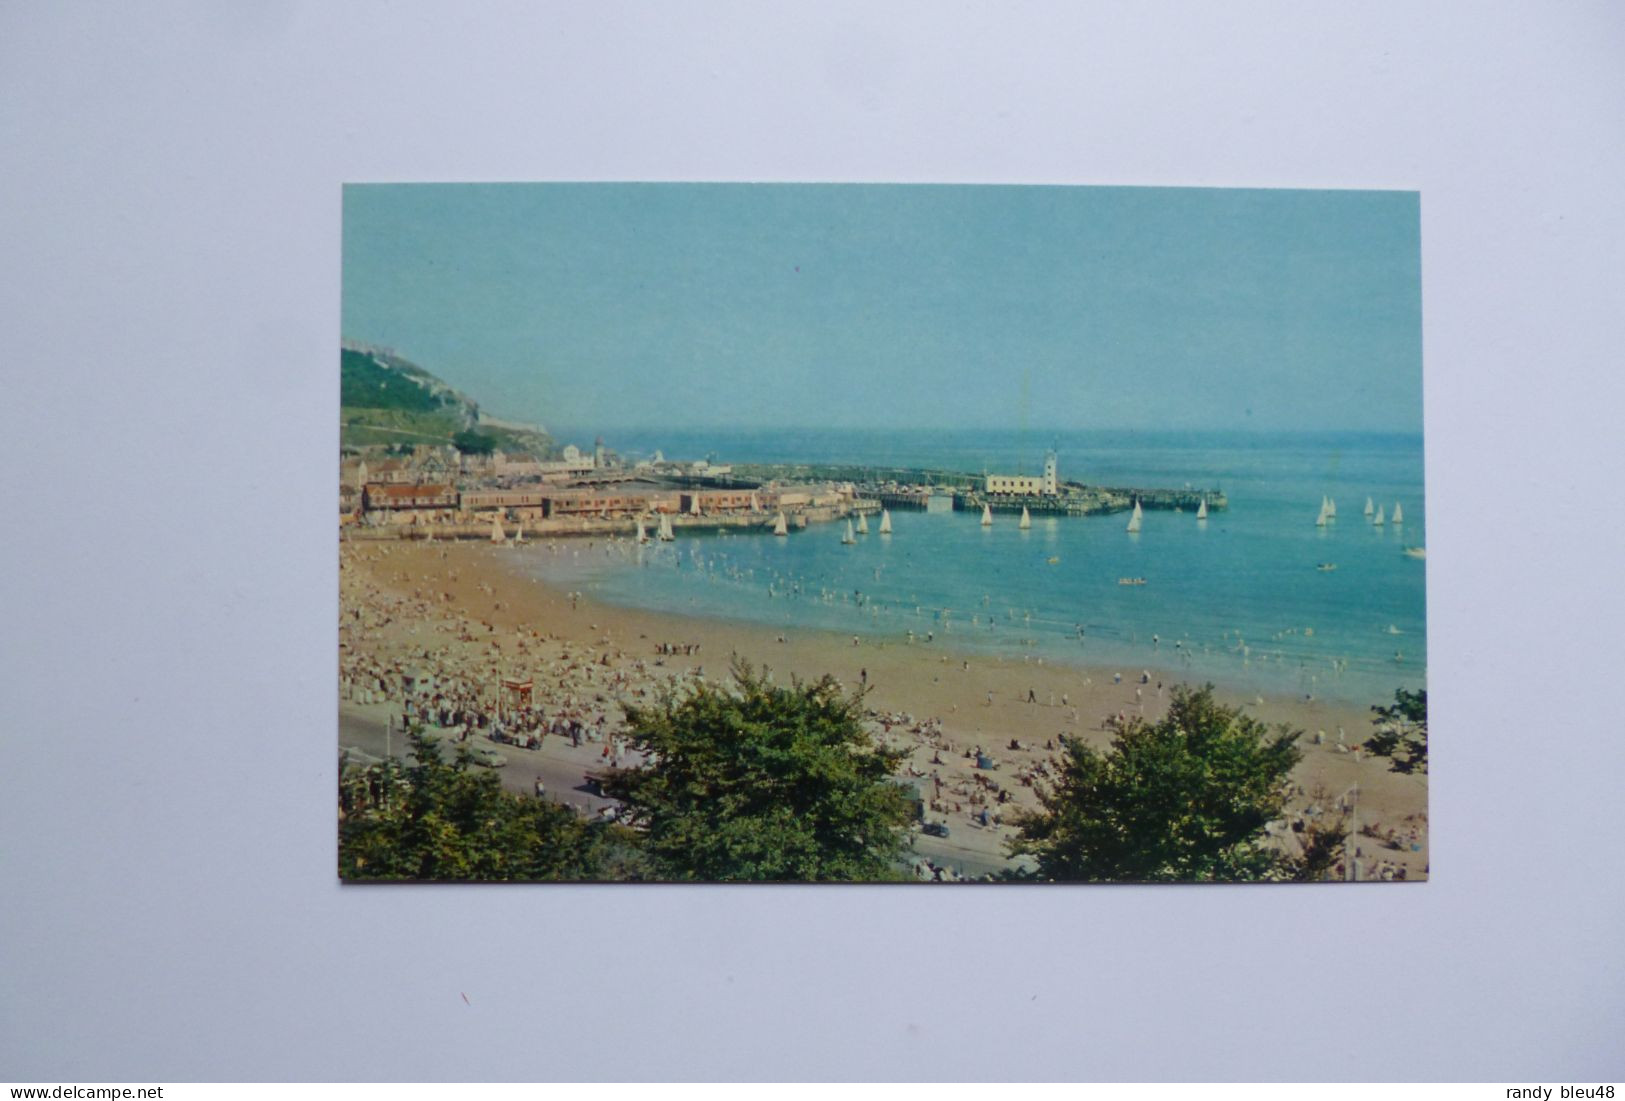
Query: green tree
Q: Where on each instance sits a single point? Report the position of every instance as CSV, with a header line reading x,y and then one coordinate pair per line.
x,y
760,782
1323,842
1184,799
471,441
439,820
1402,732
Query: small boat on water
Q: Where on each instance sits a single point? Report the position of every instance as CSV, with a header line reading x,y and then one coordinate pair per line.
x,y
755,505
1331,508
694,504
1369,507
885,522
1378,520
666,534
780,525
1131,581
1325,567
1320,520
1201,510
643,535
1026,519
863,524
1416,552
519,536
1134,523
1399,514
497,534
987,516
849,538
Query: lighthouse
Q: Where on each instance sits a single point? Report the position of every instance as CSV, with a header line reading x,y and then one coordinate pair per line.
x,y
1051,479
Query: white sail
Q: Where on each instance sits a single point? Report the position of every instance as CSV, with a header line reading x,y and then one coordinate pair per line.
x,y
780,525
1026,520
1369,507
666,535
755,505
497,534
885,522
863,524
1399,515
643,536
1331,508
1378,519
519,536
987,516
1134,518
849,537
1320,520
694,505
1201,510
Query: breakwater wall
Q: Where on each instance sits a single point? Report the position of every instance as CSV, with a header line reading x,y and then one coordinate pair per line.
x,y
575,527
1093,501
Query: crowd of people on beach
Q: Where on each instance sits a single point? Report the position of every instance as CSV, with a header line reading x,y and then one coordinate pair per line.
x,y
410,650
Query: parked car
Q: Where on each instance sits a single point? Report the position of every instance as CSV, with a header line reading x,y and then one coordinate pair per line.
x,y
490,758
935,829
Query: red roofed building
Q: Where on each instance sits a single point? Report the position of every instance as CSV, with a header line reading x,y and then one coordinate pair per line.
x,y
376,496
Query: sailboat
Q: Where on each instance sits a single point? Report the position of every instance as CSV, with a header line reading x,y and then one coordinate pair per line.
x,y
755,505
694,505
1399,516
1026,519
519,536
780,525
1320,520
1369,507
987,516
863,524
1331,508
665,533
849,538
643,536
497,534
1201,510
1378,521
885,522
1134,519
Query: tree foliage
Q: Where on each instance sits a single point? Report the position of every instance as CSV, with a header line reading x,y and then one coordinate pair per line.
x,y
471,441
755,781
1324,842
1184,799
1402,732
439,820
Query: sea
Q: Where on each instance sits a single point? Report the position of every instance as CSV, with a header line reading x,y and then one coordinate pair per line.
x,y
1240,599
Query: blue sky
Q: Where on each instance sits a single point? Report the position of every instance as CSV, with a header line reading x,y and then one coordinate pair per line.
x,y
699,305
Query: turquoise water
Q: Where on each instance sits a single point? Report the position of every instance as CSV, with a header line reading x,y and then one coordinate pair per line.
x,y
1238,599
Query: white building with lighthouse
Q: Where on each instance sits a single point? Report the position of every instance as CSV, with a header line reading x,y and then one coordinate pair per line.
x,y
1021,485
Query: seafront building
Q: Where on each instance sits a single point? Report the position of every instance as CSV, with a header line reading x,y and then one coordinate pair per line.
x,y
441,487
1046,485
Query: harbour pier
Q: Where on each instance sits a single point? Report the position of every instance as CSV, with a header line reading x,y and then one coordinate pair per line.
x,y
1079,500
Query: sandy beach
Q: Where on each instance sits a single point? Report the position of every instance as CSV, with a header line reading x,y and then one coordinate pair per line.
x,y
466,614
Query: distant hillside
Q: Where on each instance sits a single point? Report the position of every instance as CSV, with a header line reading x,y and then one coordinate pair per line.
x,y
385,398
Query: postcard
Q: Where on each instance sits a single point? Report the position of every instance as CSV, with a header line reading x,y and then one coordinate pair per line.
x,y
881,533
